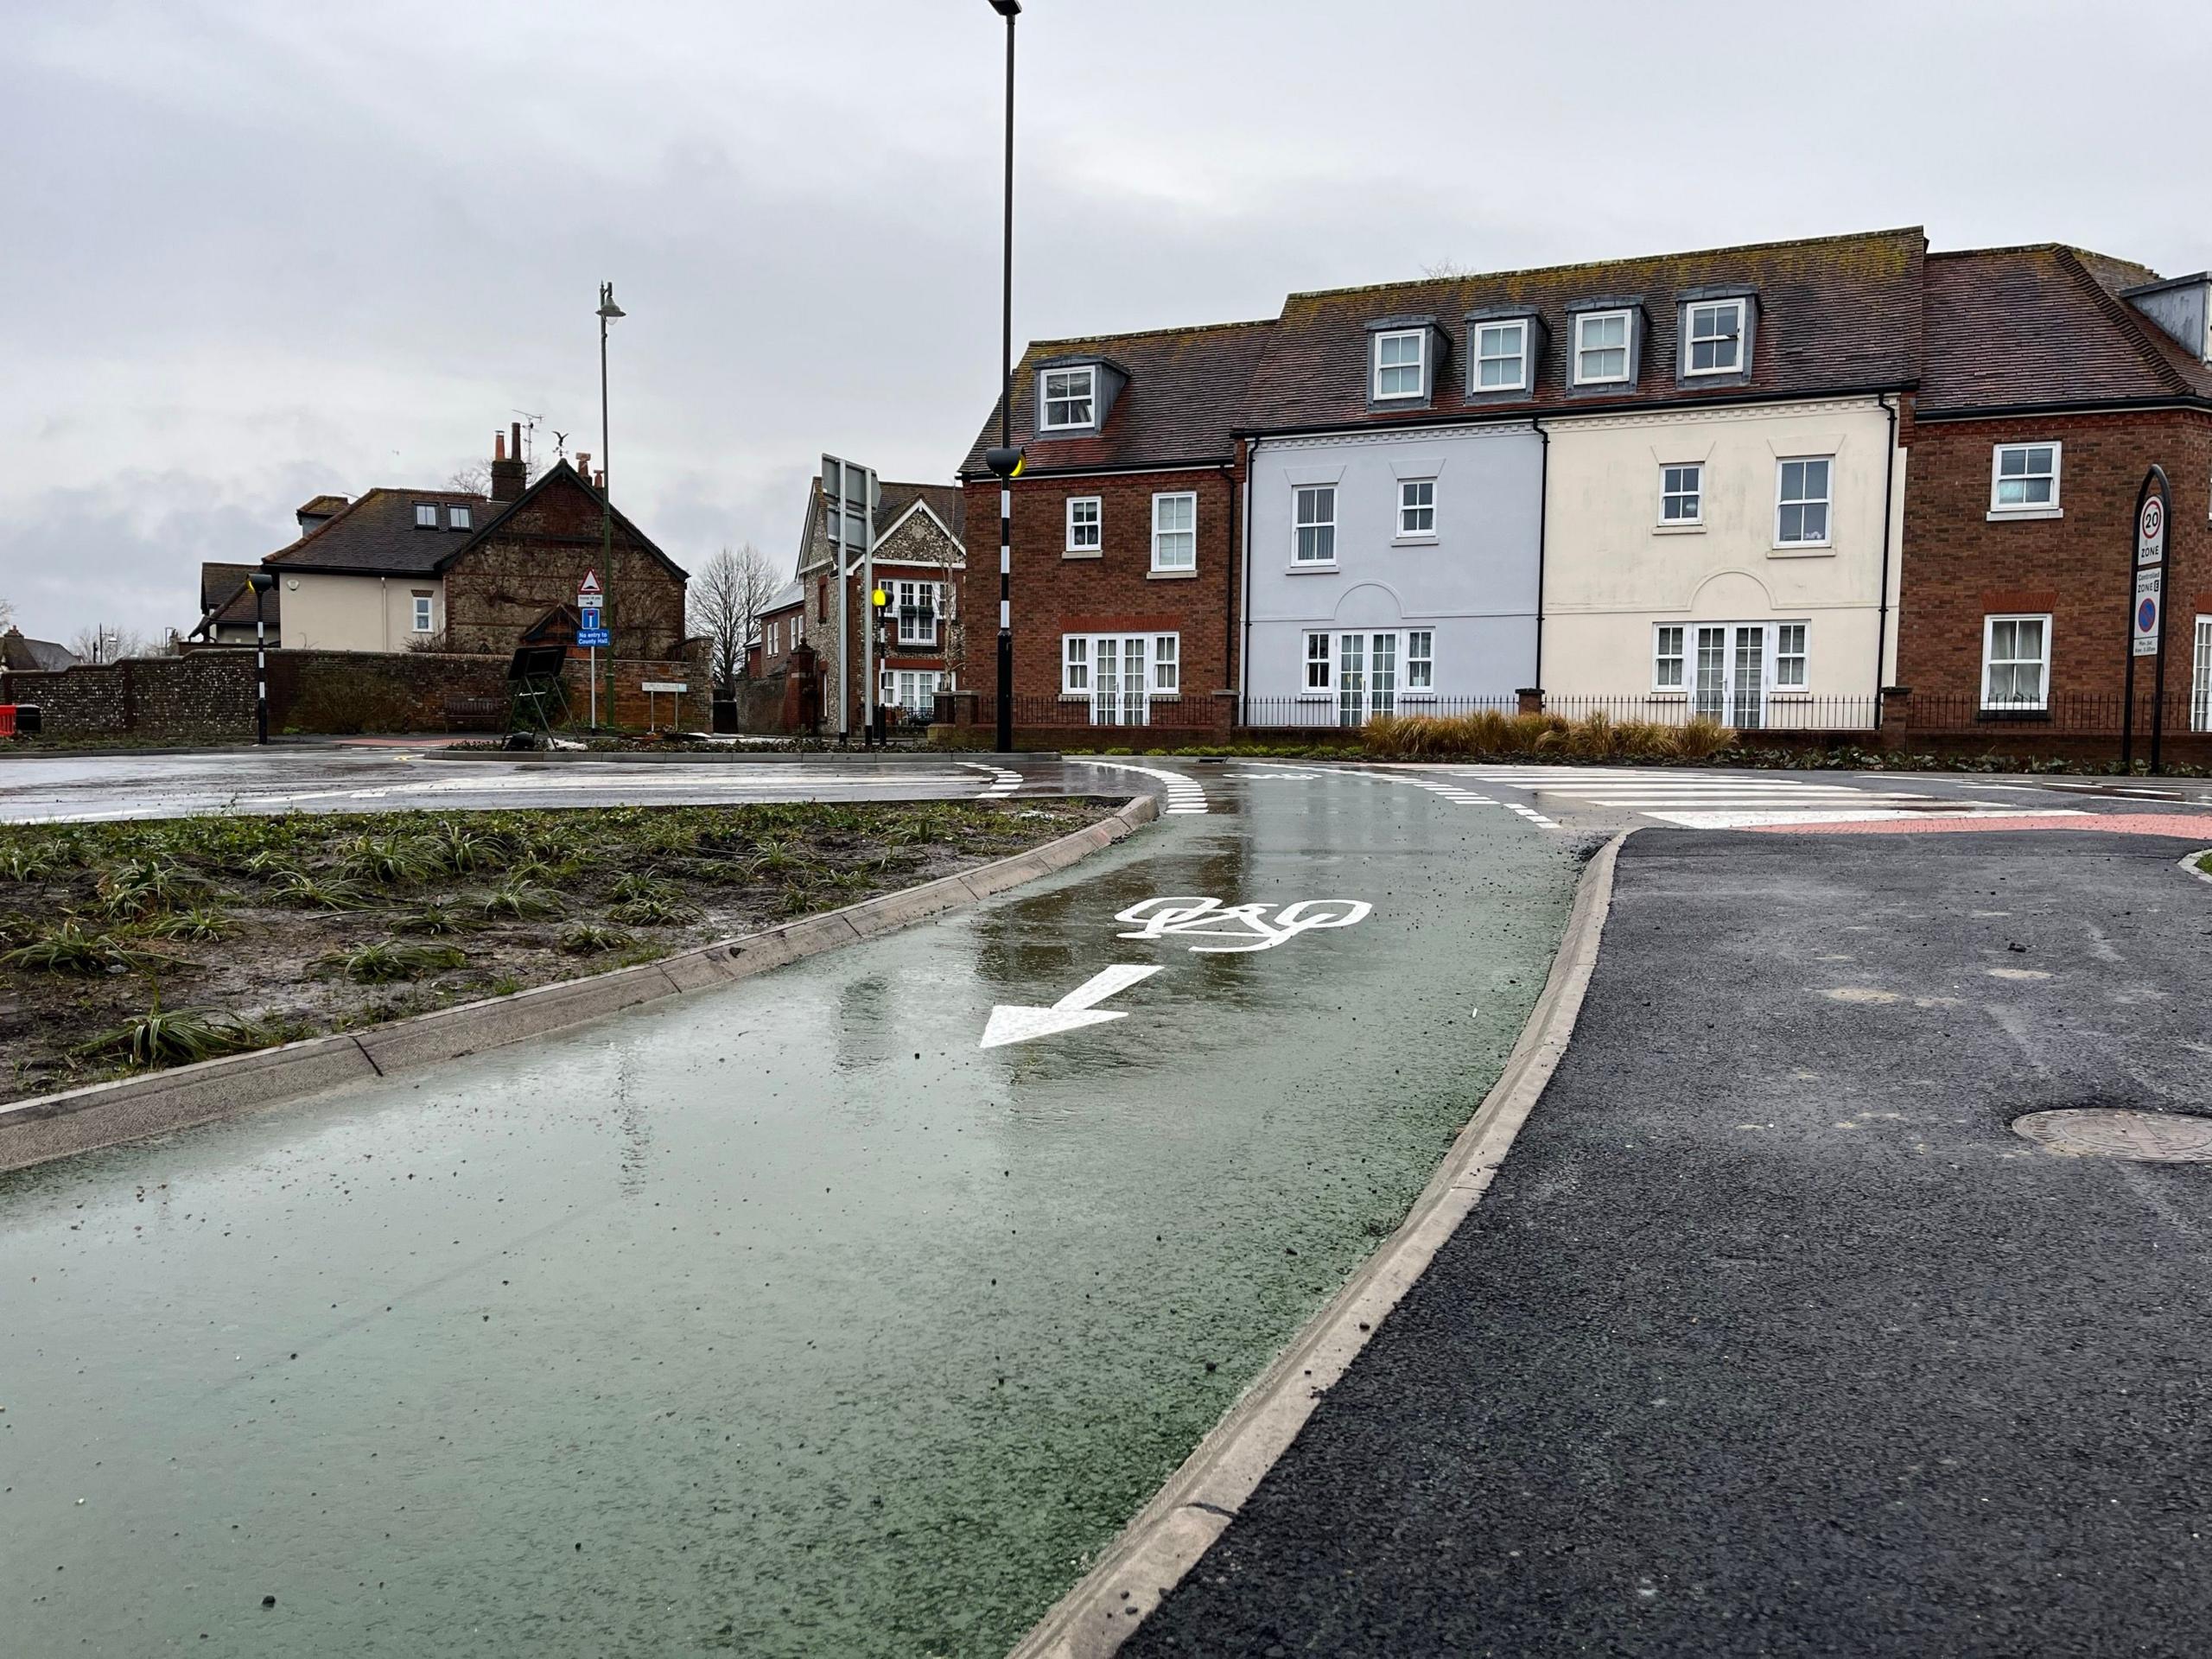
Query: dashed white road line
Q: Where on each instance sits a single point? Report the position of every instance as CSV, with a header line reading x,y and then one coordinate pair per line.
x,y
1003,782
1184,793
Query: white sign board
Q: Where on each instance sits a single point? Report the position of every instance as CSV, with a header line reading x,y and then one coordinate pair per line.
x,y
2149,592
2151,532
678,686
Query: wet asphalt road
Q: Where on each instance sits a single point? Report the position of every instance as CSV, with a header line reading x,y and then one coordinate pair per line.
x,y
783,1320
1771,1338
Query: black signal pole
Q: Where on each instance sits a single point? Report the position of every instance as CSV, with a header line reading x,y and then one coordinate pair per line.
x,y
1005,460
260,581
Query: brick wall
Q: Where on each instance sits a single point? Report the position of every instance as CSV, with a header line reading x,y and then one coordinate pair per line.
x,y
208,694
533,562
203,696
1959,567
1116,592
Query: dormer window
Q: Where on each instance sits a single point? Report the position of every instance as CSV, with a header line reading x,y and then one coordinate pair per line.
x,y
1070,398
457,517
1713,340
1601,347
426,515
1401,364
1502,355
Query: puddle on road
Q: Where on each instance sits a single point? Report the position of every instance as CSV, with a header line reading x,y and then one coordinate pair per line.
x,y
784,1320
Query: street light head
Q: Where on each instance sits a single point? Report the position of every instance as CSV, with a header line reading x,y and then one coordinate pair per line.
x,y
608,308
1008,9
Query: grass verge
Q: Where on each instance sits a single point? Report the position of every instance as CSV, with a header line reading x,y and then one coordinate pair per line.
x,y
131,946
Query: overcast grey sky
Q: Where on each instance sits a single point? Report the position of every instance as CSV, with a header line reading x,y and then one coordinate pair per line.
x,y
256,249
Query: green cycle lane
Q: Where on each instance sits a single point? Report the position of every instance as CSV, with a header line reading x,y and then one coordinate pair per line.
x,y
787,1319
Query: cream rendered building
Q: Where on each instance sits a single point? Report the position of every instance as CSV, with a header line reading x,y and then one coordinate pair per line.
x,y
1735,560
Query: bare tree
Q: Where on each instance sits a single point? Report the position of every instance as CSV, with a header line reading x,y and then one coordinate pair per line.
x,y
110,642
6,615
474,477
726,599
1441,268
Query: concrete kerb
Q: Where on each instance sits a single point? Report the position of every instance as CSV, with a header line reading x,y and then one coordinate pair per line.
x,y
2190,863
731,758
156,1103
1203,1496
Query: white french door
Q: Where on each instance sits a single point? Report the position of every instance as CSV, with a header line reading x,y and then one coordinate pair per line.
x,y
1732,675
1119,681
1367,677
2199,693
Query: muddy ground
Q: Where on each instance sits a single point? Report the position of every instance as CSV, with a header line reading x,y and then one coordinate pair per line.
x,y
128,945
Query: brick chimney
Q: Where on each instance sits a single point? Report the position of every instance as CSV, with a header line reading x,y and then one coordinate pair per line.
x,y
508,474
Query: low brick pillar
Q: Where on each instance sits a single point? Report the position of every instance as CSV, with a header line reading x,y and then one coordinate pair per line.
x,y
1531,700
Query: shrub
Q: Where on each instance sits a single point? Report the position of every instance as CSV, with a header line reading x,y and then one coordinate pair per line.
x,y
385,963
68,949
139,886
202,922
518,899
590,939
319,892
175,1037
392,859
434,919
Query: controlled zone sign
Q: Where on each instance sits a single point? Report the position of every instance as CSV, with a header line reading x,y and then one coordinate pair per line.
x,y
2150,585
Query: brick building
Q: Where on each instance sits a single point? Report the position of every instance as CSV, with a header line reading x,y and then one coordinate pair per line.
x,y
919,556
398,569
2053,379
1126,531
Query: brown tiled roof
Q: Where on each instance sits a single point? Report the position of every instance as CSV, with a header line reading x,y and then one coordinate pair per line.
x,y
1186,388
219,582
323,506
559,475
2013,328
376,535
1838,313
26,654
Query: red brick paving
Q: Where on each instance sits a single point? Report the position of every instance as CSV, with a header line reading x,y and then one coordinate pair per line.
x,y
2187,826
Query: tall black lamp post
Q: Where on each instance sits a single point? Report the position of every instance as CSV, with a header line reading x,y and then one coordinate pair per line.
x,y
260,581
1006,460
608,311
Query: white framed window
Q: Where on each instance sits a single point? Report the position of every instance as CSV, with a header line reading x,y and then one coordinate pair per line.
x,y
1120,674
1714,341
1070,398
1666,659
1401,364
1502,355
1175,532
2015,662
1789,656
1421,660
1314,531
426,515
1417,509
1801,517
457,518
1681,493
2023,479
424,612
917,603
2200,691
1317,664
1086,523
913,690
1600,348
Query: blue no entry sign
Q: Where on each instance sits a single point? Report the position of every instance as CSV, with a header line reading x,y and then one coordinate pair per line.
x,y
592,636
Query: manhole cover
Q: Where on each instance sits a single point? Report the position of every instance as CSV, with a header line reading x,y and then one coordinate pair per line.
x,y
2106,1132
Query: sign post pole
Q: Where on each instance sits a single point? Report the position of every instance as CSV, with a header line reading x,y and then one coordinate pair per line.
x,y
2146,615
591,632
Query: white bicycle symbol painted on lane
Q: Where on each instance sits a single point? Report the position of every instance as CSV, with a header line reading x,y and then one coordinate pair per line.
x,y
1237,927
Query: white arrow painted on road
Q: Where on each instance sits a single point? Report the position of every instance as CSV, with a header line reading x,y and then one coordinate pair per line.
x,y
1011,1023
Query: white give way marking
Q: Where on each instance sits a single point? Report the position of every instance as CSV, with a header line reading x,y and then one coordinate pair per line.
x,y
1241,927
1012,1023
